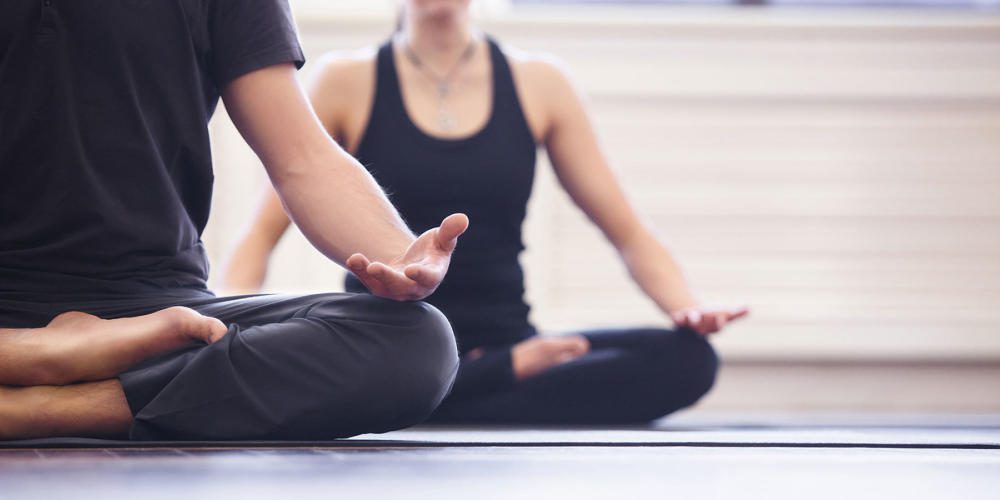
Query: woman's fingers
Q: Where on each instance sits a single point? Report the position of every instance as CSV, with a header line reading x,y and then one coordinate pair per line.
x,y
720,321
706,321
694,318
711,323
715,321
738,312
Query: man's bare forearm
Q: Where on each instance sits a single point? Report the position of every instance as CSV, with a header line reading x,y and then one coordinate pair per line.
x,y
328,194
340,208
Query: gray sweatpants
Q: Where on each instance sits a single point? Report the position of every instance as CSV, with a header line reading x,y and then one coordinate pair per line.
x,y
291,367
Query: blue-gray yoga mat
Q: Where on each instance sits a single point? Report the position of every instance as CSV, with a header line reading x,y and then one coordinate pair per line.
x,y
835,431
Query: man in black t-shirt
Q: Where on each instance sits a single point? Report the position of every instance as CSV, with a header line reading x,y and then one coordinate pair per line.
x,y
105,188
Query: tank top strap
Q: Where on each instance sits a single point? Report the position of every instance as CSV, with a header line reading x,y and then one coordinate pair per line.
x,y
503,79
507,104
388,96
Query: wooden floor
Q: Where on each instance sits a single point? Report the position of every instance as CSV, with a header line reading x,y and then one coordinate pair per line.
x,y
845,456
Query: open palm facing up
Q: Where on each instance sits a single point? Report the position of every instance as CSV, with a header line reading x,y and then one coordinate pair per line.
x,y
707,320
419,271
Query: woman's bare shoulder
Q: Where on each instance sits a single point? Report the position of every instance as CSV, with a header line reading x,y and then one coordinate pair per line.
x,y
538,70
341,89
346,70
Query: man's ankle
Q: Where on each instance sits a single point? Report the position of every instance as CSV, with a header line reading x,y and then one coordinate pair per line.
x,y
10,420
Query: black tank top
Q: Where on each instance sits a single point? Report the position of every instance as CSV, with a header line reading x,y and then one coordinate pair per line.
x,y
487,175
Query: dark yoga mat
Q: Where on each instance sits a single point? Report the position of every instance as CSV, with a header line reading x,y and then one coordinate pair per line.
x,y
946,432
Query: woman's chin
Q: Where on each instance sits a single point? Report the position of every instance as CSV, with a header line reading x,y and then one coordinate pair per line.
x,y
441,9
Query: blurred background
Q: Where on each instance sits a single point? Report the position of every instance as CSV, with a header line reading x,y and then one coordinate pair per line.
x,y
833,164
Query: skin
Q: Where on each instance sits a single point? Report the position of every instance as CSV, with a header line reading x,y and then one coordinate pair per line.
x,y
314,177
77,347
439,31
96,409
59,380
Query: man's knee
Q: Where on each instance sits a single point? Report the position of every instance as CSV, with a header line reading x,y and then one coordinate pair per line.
x,y
425,364
337,368
408,330
413,346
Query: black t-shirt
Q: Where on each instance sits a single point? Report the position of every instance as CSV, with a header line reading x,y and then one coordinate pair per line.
x,y
105,167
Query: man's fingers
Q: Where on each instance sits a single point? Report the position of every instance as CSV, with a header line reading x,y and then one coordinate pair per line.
x,y
412,283
397,285
415,272
451,228
425,276
357,263
386,275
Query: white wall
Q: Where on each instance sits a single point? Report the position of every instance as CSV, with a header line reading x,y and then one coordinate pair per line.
x,y
837,170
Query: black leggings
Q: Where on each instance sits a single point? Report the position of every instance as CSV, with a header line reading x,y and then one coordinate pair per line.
x,y
290,367
629,376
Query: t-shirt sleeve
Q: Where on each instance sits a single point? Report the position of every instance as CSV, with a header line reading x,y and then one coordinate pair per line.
x,y
247,35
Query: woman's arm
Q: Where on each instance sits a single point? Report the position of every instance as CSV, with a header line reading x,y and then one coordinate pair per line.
x,y
330,196
584,171
246,268
337,82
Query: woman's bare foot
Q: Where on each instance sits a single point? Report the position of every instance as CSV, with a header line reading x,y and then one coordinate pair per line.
x,y
539,353
79,347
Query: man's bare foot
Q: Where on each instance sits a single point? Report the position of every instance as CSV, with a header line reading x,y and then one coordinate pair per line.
x,y
79,347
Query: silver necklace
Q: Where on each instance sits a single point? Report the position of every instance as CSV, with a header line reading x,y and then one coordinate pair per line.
x,y
442,82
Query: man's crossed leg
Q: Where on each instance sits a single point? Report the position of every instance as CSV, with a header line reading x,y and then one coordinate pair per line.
x,y
286,367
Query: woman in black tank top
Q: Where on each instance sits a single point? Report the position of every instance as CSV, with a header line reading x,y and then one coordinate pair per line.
x,y
508,373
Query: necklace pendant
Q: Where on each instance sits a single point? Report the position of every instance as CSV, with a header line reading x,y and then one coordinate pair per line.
x,y
443,90
446,121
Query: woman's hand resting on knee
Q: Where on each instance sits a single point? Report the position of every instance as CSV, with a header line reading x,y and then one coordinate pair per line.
x,y
538,354
706,320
